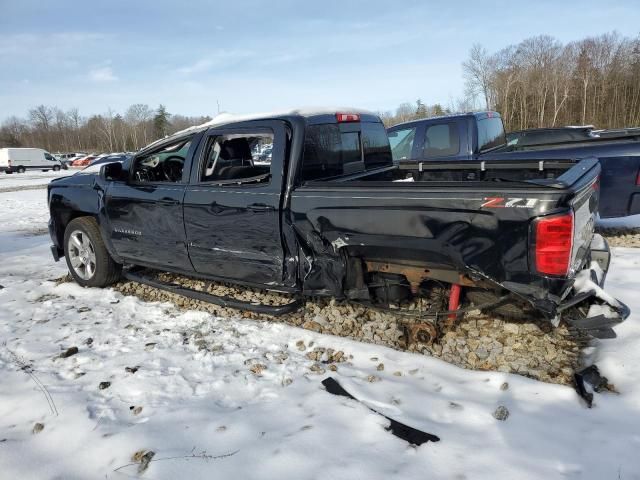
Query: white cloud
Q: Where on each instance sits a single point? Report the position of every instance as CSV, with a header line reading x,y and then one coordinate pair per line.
x,y
102,74
200,66
219,59
54,44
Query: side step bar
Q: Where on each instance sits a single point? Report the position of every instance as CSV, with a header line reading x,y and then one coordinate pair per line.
x,y
227,302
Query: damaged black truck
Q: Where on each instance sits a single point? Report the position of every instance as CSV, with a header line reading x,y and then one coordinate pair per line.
x,y
324,214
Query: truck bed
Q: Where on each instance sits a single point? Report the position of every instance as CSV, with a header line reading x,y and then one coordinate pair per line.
x,y
481,228
556,173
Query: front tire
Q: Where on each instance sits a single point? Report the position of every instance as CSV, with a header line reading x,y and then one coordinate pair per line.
x,y
87,257
21,170
56,168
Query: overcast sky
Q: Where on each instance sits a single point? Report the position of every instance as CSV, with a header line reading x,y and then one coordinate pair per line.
x,y
257,56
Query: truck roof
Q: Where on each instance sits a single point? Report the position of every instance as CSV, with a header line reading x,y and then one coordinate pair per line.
x,y
312,115
453,116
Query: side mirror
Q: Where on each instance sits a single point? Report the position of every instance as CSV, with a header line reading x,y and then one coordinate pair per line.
x,y
112,172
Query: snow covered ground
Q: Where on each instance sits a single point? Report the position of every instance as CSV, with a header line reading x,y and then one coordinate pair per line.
x,y
195,395
30,178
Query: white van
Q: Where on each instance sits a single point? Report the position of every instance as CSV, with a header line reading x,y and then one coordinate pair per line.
x,y
21,159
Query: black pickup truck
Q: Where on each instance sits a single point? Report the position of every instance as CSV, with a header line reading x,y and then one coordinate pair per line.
x,y
323,216
464,141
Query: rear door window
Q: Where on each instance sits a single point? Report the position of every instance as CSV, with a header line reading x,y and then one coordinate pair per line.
x,y
401,142
441,140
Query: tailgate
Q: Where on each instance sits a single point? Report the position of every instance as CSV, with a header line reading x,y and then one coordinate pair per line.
x,y
585,208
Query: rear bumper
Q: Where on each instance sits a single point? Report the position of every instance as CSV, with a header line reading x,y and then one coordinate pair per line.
x,y
589,307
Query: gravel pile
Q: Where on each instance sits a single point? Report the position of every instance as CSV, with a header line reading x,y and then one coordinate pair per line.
x,y
533,349
621,237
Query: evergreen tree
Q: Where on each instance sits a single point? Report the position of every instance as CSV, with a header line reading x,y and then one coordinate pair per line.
x,y
161,122
421,109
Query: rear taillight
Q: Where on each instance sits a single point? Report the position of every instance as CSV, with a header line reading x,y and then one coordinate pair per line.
x,y
638,178
347,117
553,244
9,163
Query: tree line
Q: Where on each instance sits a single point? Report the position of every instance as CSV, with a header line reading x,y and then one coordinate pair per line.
x,y
406,112
541,82
55,130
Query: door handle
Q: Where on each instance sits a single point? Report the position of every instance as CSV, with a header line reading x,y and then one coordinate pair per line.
x,y
260,207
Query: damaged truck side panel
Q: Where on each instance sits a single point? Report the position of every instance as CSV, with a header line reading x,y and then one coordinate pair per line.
x,y
326,216
452,234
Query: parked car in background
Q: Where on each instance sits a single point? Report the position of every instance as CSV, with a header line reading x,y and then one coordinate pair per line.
x,y
542,136
83,161
72,159
21,159
67,158
468,142
69,155
265,155
114,157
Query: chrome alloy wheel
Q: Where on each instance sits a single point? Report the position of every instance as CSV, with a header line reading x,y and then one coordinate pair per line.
x,y
82,255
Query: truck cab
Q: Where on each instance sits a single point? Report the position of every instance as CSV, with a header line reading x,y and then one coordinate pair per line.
x,y
447,138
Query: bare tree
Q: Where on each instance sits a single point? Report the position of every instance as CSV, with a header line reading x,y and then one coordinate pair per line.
x,y
478,72
42,117
75,122
540,82
138,117
405,112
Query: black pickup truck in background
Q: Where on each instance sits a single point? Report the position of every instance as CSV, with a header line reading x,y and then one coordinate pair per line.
x,y
326,217
544,136
467,141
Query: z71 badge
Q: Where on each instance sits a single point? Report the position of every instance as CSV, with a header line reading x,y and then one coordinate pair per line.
x,y
511,202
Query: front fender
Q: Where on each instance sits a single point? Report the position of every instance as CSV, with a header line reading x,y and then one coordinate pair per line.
x,y
78,196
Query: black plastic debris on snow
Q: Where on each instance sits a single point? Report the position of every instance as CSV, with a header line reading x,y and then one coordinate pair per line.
x,y
590,376
69,352
400,430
